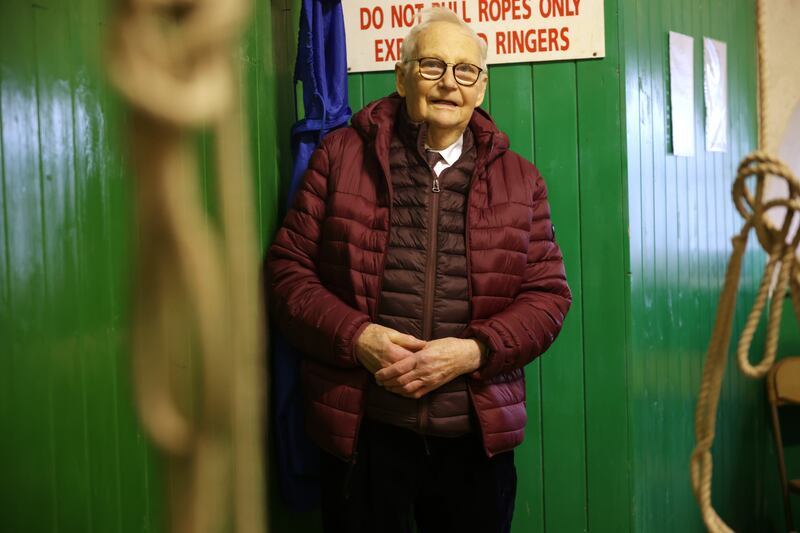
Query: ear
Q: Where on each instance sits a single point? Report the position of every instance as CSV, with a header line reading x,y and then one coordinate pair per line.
x,y
482,89
400,78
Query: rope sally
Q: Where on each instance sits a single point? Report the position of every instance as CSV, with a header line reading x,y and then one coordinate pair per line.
x,y
753,209
172,60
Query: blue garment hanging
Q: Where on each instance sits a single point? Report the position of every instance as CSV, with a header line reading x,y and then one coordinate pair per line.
x,y
322,68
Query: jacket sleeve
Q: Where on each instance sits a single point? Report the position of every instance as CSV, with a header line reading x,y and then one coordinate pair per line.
x,y
529,325
314,319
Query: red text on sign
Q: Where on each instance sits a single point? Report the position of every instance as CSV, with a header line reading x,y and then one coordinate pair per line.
x,y
387,50
371,18
405,15
494,10
530,41
559,8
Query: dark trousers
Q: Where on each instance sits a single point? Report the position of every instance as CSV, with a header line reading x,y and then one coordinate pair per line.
x,y
443,484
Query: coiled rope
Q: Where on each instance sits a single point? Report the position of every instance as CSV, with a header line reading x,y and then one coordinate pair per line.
x,y
753,209
197,295
780,247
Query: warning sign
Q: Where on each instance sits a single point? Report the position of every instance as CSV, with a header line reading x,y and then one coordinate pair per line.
x,y
514,30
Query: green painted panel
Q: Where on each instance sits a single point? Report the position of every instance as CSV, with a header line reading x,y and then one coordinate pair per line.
x,y
563,410
99,353
73,455
25,357
355,92
377,85
60,250
610,406
604,283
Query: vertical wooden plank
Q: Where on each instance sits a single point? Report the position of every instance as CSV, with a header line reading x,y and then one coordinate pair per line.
x,y
513,105
355,92
99,364
686,354
377,85
602,183
664,176
634,72
32,506
8,451
60,253
556,150
647,330
6,330
263,143
648,256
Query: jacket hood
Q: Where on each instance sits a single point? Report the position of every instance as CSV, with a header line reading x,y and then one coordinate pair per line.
x,y
376,120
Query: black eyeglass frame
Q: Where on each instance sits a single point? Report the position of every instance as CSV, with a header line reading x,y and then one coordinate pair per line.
x,y
446,65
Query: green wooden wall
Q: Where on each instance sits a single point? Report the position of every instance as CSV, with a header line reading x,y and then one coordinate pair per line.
x,y
645,237
72,456
681,222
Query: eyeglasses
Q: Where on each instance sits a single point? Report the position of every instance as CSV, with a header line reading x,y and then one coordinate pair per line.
x,y
433,68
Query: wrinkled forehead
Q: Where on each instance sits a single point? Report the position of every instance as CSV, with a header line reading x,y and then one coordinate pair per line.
x,y
448,41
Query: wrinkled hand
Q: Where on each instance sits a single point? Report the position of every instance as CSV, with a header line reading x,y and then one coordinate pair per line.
x,y
439,362
379,347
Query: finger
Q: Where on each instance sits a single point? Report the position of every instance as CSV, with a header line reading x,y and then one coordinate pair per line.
x,y
407,341
397,353
419,393
400,380
408,390
399,368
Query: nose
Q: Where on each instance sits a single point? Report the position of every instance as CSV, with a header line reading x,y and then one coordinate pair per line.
x,y
449,79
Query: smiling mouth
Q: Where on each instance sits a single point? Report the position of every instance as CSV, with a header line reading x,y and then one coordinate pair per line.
x,y
444,103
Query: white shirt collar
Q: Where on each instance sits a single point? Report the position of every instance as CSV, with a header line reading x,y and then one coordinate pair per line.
x,y
452,152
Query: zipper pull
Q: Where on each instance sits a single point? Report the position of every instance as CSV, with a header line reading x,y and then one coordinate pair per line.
x,y
436,185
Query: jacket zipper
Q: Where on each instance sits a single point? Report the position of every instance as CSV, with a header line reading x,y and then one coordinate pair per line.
x,y
430,287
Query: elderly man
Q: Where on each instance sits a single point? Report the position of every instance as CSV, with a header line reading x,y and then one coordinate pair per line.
x,y
418,273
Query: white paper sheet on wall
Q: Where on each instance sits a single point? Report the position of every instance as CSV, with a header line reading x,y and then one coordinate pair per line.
x,y
681,88
715,82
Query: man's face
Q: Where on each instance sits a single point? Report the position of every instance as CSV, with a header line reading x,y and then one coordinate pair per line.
x,y
443,104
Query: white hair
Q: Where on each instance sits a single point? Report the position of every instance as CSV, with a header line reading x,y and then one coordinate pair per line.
x,y
430,16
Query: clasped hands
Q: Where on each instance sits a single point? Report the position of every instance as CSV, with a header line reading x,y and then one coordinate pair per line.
x,y
408,366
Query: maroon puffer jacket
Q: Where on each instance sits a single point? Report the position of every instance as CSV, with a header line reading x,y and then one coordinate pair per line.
x,y
326,264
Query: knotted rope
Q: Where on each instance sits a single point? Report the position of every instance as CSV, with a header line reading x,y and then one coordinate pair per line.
x,y
197,292
780,245
754,210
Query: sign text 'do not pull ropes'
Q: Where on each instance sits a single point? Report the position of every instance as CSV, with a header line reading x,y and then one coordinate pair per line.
x,y
515,31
